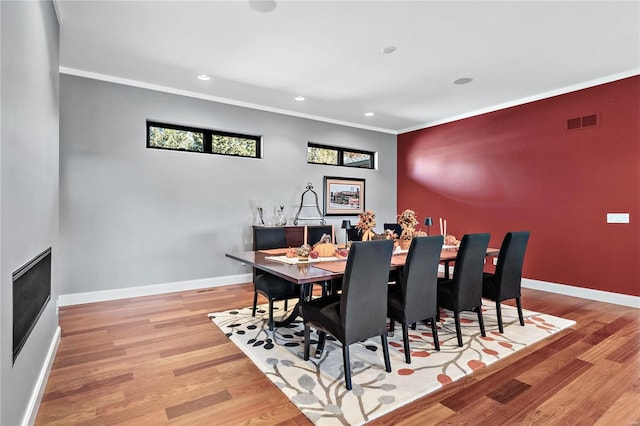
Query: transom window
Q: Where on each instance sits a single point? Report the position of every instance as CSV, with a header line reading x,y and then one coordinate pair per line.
x,y
336,156
192,139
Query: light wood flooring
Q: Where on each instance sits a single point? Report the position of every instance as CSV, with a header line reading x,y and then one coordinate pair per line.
x,y
159,360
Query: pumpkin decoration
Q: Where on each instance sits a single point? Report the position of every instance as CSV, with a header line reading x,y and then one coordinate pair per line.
x,y
451,240
325,247
303,253
292,252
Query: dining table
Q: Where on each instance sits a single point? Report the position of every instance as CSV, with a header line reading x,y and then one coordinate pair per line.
x,y
320,270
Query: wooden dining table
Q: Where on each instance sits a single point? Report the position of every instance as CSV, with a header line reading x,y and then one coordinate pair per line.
x,y
322,270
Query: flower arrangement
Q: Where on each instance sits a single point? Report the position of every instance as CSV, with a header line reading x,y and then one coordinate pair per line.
x,y
366,223
408,222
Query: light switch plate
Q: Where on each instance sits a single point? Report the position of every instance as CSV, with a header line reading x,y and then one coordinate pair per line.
x,y
617,217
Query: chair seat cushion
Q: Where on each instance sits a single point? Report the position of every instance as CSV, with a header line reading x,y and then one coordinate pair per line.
x,y
446,294
395,303
324,313
489,290
275,288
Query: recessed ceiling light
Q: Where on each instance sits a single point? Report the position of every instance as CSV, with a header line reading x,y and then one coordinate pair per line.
x,y
204,77
463,80
299,98
388,49
263,6
368,114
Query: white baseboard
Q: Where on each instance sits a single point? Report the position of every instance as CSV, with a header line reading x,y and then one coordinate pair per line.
x,y
583,293
41,384
150,290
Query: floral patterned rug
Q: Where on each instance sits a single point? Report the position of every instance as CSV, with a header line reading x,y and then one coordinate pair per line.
x,y
317,388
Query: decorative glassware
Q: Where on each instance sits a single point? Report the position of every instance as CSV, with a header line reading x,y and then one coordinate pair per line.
x,y
281,219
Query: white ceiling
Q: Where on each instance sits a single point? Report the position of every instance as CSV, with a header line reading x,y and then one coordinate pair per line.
x,y
330,53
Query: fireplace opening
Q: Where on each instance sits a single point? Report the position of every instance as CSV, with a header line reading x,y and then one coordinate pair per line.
x,y
31,293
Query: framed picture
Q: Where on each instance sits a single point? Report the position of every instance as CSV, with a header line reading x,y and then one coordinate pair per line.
x,y
343,196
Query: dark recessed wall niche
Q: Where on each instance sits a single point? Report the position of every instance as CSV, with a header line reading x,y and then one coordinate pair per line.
x,y
31,293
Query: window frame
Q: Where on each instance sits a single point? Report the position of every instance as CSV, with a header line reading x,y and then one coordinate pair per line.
x,y
207,140
340,152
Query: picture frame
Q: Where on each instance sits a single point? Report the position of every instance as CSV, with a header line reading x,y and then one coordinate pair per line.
x,y
343,196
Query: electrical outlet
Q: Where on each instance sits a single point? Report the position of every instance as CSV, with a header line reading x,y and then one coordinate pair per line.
x,y
617,217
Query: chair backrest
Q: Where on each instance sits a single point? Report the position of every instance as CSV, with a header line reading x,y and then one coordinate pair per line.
x,y
395,227
314,233
269,238
420,278
467,274
363,305
354,234
508,277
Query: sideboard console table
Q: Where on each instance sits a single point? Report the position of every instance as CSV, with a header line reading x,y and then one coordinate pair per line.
x,y
293,233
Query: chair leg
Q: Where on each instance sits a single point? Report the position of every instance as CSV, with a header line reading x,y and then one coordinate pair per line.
x,y
385,352
392,326
322,338
270,314
307,343
520,316
481,321
499,315
456,316
434,331
255,303
405,339
286,304
347,366
414,325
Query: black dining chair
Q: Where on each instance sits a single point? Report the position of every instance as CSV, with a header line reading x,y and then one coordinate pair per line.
x,y
506,283
360,311
395,227
464,291
315,233
354,234
416,298
270,286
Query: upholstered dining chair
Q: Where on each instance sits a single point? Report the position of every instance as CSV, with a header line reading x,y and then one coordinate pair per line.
x,y
354,234
360,311
315,233
416,298
505,284
272,287
464,291
395,227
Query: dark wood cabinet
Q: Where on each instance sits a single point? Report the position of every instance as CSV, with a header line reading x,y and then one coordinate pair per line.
x,y
294,233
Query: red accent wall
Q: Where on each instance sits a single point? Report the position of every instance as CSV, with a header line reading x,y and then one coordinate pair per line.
x,y
520,169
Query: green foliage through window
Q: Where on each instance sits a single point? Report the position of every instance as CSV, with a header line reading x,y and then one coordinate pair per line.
x,y
323,154
181,138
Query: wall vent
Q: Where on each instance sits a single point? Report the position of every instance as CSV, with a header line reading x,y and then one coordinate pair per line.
x,y
582,122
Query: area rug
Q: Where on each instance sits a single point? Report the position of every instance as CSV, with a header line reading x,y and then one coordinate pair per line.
x,y
317,388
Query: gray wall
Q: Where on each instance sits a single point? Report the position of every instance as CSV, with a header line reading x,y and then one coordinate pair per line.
x,y
28,184
132,216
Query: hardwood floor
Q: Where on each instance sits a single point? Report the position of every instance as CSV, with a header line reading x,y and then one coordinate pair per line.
x,y
159,360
